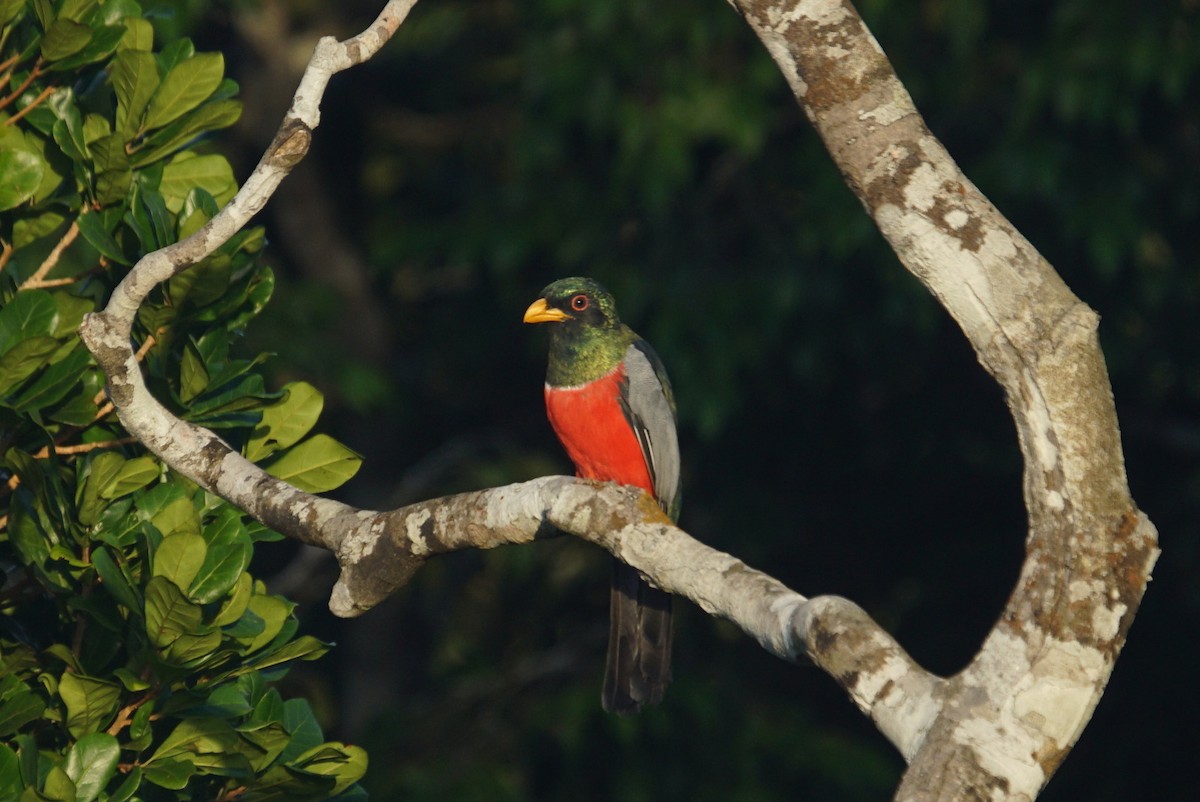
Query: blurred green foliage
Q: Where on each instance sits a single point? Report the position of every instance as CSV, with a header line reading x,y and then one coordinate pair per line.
x,y
137,653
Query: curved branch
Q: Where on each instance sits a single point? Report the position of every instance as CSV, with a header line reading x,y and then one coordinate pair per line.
x,y
832,632
1012,715
196,452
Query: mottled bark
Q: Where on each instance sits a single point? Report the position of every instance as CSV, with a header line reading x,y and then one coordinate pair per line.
x,y
1011,716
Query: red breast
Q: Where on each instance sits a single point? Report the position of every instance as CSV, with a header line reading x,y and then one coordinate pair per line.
x,y
595,433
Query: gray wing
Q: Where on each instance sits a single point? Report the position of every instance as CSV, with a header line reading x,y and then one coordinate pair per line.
x,y
649,405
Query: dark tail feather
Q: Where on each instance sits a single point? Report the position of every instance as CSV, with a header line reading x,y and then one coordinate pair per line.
x,y
638,667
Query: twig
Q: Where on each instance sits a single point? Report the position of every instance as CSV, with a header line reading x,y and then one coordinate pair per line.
x,y
52,258
6,252
44,284
125,714
20,90
33,104
84,448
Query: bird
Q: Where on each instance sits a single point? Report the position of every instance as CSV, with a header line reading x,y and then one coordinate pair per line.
x,y
611,406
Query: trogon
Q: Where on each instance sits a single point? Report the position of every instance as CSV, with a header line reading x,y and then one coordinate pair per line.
x,y
610,403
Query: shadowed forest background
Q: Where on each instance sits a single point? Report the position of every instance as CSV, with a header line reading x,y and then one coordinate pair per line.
x,y
836,430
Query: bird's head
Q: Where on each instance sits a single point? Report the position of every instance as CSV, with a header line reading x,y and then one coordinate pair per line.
x,y
577,303
587,339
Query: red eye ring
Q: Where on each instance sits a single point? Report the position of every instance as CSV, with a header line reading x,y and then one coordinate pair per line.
x,y
579,303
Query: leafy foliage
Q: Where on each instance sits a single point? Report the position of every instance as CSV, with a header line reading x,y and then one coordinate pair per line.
x,y
137,653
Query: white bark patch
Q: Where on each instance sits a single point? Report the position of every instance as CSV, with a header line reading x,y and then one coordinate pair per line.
x,y
1041,428
1085,590
911,716
778,48
904,714
1003,753
956,219
788,610
1106,621
1058,701
359,543
895,108
922,188
412,528
822,12
965,290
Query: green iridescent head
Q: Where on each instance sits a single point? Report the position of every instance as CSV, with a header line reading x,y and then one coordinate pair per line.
x,y
587,339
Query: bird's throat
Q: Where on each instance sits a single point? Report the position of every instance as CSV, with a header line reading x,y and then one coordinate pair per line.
x,y
582,355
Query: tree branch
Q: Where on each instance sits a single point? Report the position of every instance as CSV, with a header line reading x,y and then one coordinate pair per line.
x,y
1011,716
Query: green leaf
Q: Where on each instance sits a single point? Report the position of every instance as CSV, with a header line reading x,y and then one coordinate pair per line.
x,y
91,763
134,475
68,128
193,737
77,10
173,774
104,41
200,285
346,763
57,786
126,790
169,507
91,702
192,649
21,173
18,710
317,465
187,171
274,612
184,87
179,558
212,116
302,725
10,774
29,314
306,647
71,311
139,34
59,379
64,38
193,376
229,552
114,579
286,421
25,530
91,226
237,603
23,360
168,612
113,174
134,77
102,471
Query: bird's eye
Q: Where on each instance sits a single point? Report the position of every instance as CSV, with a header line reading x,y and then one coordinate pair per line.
x,y
579,303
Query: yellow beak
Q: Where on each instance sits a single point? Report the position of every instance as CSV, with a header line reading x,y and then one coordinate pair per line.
x,y
539,312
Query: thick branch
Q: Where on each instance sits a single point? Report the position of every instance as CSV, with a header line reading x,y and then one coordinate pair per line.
x,y
1012,715
832,632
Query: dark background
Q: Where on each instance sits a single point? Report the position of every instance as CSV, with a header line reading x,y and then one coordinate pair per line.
x,y
837,431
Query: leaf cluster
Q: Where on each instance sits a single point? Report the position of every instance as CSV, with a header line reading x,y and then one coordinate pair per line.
x,y
137,652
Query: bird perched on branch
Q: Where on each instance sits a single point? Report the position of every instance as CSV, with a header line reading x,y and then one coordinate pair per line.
x,y
609,402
